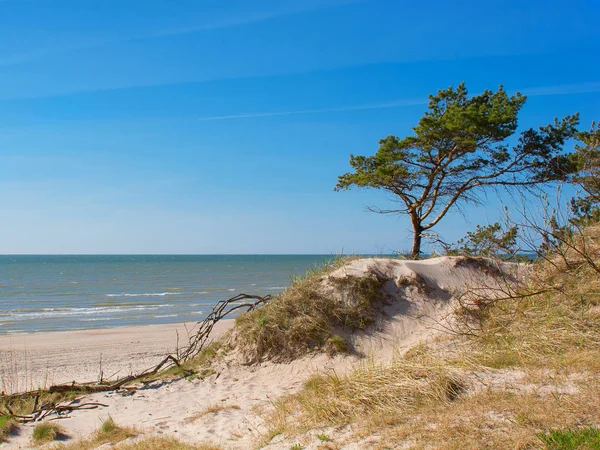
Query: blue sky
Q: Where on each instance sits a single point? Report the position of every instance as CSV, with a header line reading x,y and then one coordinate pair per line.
x,y
163,126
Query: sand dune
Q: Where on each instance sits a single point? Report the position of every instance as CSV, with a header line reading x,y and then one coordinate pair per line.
x,y
418,295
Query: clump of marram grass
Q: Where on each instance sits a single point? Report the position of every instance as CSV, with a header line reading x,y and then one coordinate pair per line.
x,y
46,432
369,393
305,317
108,433
8,426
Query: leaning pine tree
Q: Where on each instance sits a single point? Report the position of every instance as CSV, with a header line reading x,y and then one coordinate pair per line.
x,y
460,148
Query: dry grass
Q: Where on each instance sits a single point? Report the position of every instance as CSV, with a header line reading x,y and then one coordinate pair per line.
x,y
368,394
495,420
552,322
15,374
151,443
212,409
305,317
164,443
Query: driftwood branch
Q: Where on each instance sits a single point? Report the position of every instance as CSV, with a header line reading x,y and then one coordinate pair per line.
x,y
198,337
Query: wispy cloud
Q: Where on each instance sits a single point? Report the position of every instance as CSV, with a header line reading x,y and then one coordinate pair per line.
x,y
396,104
23,58
563,89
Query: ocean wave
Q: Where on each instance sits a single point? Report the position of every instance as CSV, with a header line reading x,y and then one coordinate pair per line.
x,y
150,294
164,315
96,319
201,292
69,312
275,288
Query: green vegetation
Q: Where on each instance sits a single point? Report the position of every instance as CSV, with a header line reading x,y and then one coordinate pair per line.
x,y
197,367
8,426
323,437
47,432
570,439
488,241
459,149
306,315
108,433
23,405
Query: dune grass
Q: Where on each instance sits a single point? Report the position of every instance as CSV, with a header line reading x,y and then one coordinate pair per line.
x,y
108,433
46,432
305,317
8,426
543,339
166,443
24,404
551,322
368,394
149,443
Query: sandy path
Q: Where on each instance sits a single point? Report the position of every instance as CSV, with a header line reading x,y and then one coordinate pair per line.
x,y
28,361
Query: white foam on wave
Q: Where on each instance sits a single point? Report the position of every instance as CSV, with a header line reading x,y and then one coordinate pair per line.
x,y
68,312
150,294
164,315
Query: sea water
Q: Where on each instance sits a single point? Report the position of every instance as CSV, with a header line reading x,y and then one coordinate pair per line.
x,y
54,293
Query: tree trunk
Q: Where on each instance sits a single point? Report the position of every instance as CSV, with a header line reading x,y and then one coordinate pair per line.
x,y
417,230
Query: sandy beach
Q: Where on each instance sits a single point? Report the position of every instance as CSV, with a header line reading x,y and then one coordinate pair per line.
x,y
32,360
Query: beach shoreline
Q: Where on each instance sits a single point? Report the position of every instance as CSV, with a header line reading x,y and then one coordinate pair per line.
x,y
40,359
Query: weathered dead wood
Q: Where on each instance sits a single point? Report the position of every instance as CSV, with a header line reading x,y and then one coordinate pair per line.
x,y
198,336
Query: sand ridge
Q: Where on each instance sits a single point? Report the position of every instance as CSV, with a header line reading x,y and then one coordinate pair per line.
x,y
418,294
